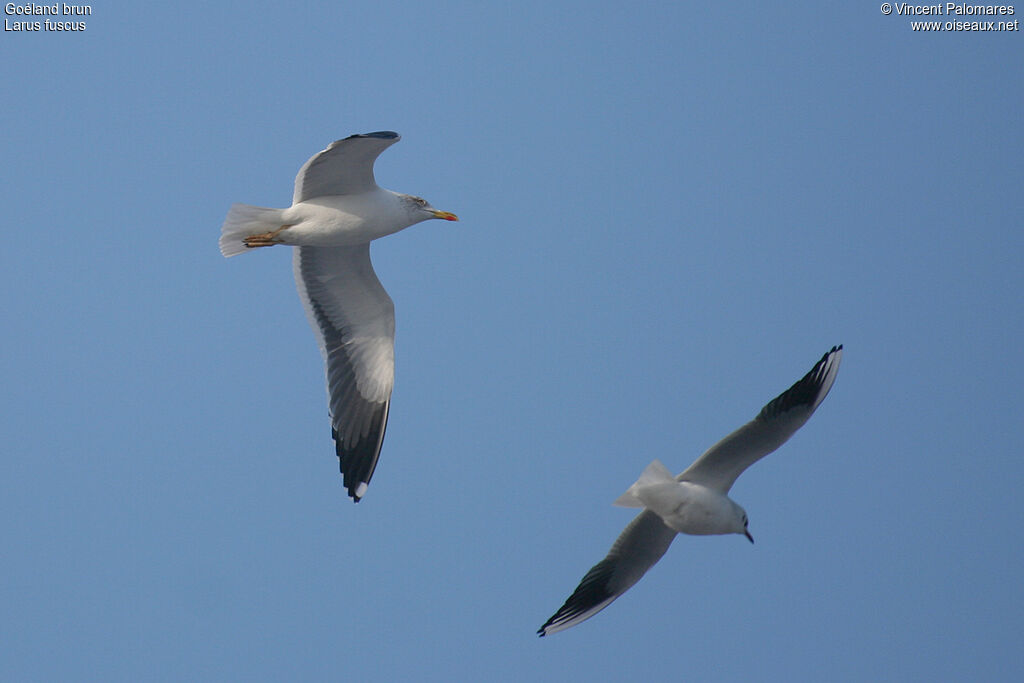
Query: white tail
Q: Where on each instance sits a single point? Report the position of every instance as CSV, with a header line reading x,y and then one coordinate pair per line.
x,y
244,220
653,474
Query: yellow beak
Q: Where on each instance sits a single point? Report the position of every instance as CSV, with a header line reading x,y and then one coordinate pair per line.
x,y
445,215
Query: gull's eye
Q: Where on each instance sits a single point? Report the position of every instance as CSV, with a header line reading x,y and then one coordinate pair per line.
x,y
419,201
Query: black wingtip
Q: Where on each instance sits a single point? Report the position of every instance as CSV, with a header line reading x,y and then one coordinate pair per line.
x,y
807,391
357,464
382,134
353,491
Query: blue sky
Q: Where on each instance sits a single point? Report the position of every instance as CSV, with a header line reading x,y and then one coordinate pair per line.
x,y
669,213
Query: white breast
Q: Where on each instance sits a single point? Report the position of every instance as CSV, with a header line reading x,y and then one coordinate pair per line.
x,y
690,508
346,220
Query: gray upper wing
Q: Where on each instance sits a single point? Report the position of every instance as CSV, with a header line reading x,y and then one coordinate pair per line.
x,y
345,167
637,549
354,322
721,464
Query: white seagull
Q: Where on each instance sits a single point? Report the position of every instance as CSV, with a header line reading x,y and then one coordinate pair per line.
x,y
336,211
696,501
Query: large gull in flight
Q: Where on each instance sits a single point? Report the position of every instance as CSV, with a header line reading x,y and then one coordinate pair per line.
x,y
696,501
336,211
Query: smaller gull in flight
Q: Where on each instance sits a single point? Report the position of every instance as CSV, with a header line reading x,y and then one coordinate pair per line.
x,y
337,210
696,501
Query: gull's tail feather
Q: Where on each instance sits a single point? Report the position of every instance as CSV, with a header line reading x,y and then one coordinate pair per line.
x,y
653,474
244,220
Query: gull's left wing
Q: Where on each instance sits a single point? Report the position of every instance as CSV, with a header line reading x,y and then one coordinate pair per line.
x,y
354,322
721,464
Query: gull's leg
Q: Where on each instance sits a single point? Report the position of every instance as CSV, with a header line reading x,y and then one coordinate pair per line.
x,y
265,239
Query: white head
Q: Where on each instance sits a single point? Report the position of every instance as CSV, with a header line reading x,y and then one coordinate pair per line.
x,y
740,522
421,210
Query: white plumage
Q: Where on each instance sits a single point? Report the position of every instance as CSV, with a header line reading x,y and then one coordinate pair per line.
x,y
337,210
696,501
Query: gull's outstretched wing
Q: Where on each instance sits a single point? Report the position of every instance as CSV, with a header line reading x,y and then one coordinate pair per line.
x,y
345,167
721,464
354,322
636,550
